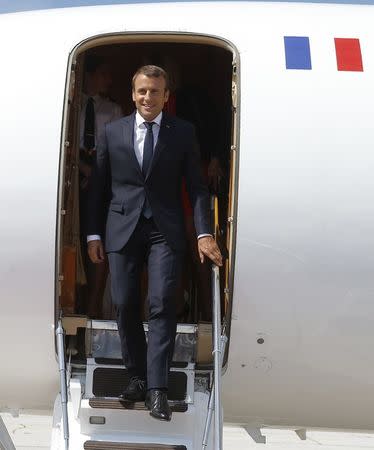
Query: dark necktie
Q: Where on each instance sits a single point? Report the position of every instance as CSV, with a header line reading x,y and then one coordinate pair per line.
x,y
148,148
147,159
89,125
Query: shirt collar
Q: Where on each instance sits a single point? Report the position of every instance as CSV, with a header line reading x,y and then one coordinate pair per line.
x,y
140,119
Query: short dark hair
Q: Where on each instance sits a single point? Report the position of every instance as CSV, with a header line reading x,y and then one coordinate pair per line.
x,y
93,62
151,71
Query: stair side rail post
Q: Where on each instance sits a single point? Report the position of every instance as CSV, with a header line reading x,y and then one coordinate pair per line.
x,y
217,352
63,385
219,343
209,417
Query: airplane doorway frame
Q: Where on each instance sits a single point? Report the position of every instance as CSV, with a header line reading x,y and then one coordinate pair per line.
x,y
157,37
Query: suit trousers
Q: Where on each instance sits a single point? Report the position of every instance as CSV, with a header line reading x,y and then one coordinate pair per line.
x,y
146,245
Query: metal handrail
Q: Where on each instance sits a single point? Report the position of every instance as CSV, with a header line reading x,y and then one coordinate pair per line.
x,y
219,343
63,386
217,352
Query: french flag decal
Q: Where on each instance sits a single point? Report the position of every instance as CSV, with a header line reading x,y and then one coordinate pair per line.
x,y
347,50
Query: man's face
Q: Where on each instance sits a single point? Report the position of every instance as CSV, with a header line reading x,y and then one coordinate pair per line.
x,y
149,95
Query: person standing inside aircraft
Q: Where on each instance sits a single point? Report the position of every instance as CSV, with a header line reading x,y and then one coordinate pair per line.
x,y
141,162
96,111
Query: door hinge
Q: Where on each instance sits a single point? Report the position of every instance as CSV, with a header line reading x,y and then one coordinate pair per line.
x,y
234,95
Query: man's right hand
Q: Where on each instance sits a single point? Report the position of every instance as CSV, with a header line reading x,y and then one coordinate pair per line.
x,y
96,251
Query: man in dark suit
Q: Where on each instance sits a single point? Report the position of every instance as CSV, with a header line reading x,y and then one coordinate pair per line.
x,y
138,173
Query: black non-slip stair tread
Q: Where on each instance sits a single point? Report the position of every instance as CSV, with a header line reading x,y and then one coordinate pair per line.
x,y
111,382
109,361
115,403
106,445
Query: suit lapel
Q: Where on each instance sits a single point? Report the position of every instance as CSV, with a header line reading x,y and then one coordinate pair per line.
x,y
128,136
162,141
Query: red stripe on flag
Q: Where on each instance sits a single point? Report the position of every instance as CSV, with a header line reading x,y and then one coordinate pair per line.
x,y
348,54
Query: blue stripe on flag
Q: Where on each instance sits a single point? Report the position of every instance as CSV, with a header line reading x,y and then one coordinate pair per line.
x,y
297,52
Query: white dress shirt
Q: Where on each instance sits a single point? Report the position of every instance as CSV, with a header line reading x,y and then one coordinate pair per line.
x,y
105,111
140,130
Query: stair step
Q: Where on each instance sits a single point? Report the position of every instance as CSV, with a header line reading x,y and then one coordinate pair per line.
x,y
113,403
106,445
98,416
110,382
119,362
102,341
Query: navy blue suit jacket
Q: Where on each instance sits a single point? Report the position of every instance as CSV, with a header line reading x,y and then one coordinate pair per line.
x,y
118,188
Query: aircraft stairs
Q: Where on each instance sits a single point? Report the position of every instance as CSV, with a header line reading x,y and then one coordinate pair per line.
x,y
88,413
97,419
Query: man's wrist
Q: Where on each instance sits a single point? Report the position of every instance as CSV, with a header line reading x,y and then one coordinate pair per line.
x,y
93,237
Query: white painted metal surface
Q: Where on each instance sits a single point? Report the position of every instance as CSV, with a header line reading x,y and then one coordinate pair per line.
x,y
304,280
33,432
304,268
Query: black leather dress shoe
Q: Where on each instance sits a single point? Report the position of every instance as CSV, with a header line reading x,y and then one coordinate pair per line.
x,y
157,402
135,391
